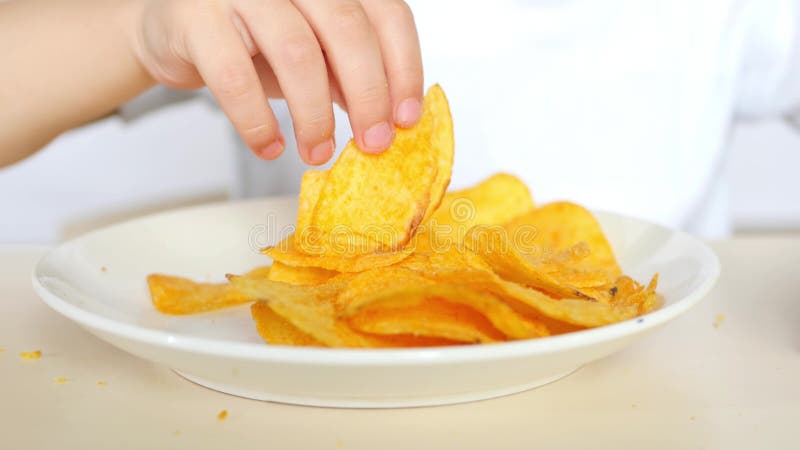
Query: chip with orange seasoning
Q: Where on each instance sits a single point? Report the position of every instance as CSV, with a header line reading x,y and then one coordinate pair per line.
x,y
354,215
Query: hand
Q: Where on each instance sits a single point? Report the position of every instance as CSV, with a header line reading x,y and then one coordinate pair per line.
x,y
362,54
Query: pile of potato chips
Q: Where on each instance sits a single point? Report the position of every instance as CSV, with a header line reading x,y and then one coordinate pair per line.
x,y
383,257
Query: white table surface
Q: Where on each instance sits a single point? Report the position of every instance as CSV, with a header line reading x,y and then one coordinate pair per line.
x,y
688,385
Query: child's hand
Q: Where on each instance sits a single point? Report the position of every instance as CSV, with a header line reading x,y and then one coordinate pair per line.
x,y
363,54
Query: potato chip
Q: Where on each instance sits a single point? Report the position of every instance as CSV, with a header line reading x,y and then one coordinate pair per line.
x,y
176,295
276,330
407,340
310,309
299,275
578,312
569,266
286,253
433,317
375,202
260,272
310,187
306,315
442,141
561,225
493,245
399,287
529,302
433,264
495,201
647,300
630,293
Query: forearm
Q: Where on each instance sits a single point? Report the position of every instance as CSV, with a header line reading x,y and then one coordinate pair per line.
x,y
63,64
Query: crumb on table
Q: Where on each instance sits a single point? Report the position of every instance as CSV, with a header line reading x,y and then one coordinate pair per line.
x,y
101,383
60,380
718,320
36,354
222,414
104,269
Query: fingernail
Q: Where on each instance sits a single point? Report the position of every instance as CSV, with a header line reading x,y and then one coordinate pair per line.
x,y
378,137
321,153
272,150
408,112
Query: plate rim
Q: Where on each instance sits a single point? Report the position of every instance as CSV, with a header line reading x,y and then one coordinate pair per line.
x,y
351,356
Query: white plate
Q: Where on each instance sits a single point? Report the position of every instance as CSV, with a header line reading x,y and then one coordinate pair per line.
x,y
98,281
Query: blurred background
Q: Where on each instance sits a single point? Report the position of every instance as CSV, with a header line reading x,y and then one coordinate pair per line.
x,y
681,100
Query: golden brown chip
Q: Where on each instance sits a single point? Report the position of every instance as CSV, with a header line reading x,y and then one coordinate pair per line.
x,y
531,303
399,288
307,315
286,253
176,295
407,340
311,309
374,203
536,304
561,225
644,298
299,275
259,272
276,330
442,141
433,317
493,245
578,312
495,201
310,187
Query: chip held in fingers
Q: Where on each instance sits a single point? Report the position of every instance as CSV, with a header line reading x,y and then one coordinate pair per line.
x,y
374,203
383,256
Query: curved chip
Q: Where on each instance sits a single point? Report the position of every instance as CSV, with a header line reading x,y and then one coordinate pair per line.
x,y
310,187
433,318
561,225
442,142
310,309
494,201
399,288
494,246
375,202
286,252
530,302
177,295
307,315
276,330
573,311
299,275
